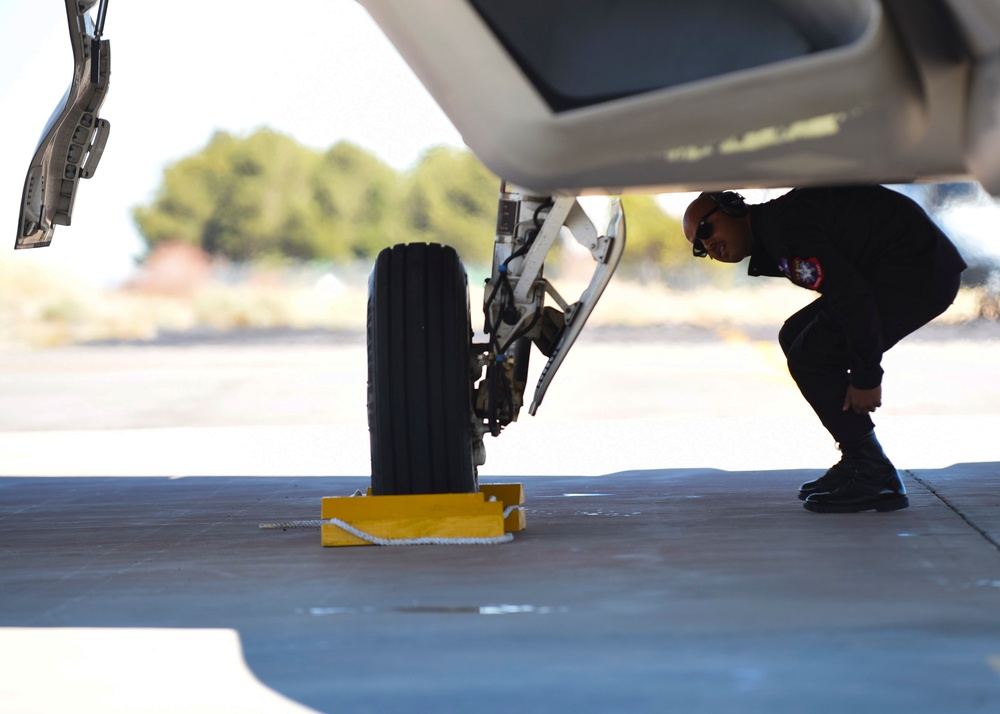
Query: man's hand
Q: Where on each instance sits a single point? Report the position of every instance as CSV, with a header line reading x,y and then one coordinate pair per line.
x,y
863,401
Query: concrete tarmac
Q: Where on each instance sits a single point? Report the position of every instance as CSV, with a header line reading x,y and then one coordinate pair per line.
x,y
667,565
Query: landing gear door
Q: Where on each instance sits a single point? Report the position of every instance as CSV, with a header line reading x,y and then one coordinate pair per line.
x,y
73,140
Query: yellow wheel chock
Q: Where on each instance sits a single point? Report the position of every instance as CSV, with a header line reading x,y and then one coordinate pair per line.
x,y
485,517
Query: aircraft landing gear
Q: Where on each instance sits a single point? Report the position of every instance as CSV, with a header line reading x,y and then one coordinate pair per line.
x,y
433,394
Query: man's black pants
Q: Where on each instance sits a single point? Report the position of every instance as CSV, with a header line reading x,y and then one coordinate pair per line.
x,y
817,355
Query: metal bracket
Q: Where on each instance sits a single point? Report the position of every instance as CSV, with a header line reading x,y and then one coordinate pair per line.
x,y
532,268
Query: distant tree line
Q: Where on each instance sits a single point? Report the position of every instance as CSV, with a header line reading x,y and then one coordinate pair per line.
x,y
266,196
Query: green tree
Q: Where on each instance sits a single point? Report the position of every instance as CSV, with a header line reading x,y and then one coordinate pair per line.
x,y
356,199
266,196
452,199
654,239
241,198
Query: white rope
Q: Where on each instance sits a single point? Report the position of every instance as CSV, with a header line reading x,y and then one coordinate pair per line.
x,y
343,525
378,540
290,524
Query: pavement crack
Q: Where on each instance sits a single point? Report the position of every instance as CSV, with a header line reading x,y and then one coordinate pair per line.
x,y
955,509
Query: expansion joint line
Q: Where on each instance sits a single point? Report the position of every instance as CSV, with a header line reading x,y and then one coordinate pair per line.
x,y
989,539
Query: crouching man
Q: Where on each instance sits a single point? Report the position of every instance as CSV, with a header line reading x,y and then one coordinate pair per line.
x,y
882,269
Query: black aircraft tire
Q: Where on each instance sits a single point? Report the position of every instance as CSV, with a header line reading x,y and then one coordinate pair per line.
x,y
419,375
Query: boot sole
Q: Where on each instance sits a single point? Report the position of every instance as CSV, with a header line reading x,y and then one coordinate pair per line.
x,y
895,502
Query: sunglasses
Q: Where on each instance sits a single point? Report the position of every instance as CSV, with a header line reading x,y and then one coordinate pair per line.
x,y
702,233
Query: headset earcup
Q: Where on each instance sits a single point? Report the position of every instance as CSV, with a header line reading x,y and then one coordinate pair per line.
x,y
732,203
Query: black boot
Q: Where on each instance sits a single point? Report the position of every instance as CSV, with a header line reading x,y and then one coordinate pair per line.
x,y
835,477
873,482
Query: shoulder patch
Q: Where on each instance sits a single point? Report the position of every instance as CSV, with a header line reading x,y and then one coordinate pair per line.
x,y
806,272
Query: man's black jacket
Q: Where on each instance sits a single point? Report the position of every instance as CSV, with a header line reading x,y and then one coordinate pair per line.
x,y
856,246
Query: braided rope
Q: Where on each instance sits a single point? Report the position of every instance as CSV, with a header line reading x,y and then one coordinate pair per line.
x,y
378,540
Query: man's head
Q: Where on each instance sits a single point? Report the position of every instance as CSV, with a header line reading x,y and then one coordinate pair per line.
x,y
718,225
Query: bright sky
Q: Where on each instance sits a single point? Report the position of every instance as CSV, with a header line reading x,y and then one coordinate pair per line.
x,y
318,70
